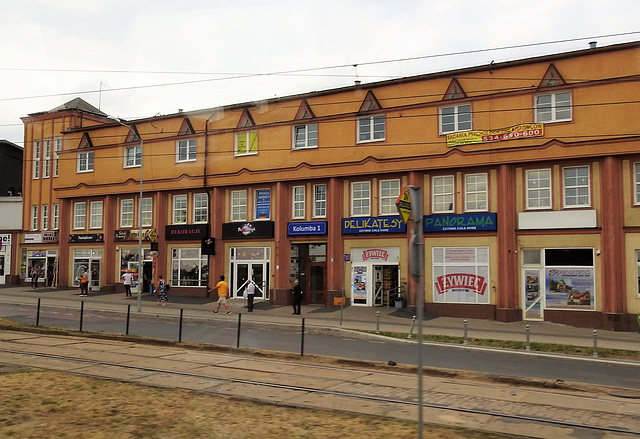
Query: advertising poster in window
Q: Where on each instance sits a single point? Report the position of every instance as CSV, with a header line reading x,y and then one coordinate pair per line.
x,y
359,283
569,288
263,204
533,302
461,275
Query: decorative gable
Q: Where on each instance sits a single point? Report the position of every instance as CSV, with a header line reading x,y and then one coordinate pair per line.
x,y
246,121
304,112
552,78
132,135
454,91
186,129
370,103
85,142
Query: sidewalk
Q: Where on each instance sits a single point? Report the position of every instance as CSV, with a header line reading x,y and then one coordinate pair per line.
x,y
383,319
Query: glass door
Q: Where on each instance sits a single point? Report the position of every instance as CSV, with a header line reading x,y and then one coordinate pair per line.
x,y
241,273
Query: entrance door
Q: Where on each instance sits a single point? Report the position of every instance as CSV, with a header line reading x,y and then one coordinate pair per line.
x,y
94,275
241,273
377,285
533,293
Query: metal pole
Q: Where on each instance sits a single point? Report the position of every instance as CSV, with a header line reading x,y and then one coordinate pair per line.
x,y
128,315
528,348
465,342
239,325
38,313
377,322
413,321
81,313
302,339
595,344
180,326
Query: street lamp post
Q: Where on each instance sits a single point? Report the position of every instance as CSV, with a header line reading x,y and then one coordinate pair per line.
x,y
140,255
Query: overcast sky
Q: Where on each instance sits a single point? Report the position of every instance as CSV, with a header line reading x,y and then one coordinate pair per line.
x,y
139,58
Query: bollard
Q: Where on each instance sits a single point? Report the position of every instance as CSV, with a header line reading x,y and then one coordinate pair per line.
x,y
302,339
38,313
239,326
528,348
595,344
413,321
81,313
377,322
128,317
180,326
466,341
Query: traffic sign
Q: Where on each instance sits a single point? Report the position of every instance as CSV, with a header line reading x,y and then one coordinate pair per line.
x,y
153,235
403,203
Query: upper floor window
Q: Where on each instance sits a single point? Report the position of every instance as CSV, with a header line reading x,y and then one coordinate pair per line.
x,y
246,143
636,181
239,205
132,156
443,195
36,160
389,193
45,216
147,212
55,217
34,217
186,150
95,221
126,212
576,186
85,161
538,189
361,198
179,209
553,107
371,128
57,147
320,201
80,215
200,208
455,118
305,136
475,192
46,165
298,202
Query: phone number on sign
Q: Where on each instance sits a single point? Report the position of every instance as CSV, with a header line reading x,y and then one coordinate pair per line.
x,y
514,135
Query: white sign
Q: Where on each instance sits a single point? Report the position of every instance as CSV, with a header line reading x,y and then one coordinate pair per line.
x,y
375,254
32,237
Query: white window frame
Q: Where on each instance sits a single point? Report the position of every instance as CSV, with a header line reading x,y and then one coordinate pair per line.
x,y
126,212
57,147
35,175
133,156
360,198
247,141
239,205
186,150
535,189
95,215
179,255
636,183
80,215
45,217
305,136
320,201
577,186
368,128
554,108
200,208
55,218
34,217
388,196
298,202
476,192
443,193
455,122
147,212
85,161
46,159
179,209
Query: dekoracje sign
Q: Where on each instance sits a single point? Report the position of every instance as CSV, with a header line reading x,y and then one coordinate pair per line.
x,y
381,224
186,232
468,222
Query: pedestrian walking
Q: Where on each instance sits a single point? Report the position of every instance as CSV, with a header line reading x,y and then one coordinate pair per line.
x,y
249,291
84,284
35,274
297,297
223,291
162,292
127,280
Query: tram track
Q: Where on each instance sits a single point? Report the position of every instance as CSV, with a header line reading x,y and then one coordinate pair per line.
x,y
392,394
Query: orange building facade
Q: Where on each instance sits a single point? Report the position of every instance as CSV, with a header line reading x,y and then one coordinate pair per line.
x,y
529,173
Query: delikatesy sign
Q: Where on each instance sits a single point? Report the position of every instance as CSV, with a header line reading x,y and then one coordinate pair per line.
x,y
381,224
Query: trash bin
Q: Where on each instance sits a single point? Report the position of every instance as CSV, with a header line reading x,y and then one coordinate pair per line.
x,y
399,303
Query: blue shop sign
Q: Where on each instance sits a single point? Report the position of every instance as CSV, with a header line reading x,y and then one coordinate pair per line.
x,y
380,224
470,222
307,228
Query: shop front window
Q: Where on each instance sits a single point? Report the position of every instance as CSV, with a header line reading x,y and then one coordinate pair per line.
x,y
189,268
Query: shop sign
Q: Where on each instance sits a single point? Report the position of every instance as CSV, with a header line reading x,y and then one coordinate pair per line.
x,y
186,232
86,237
307,228
381,224
50,236
470,222
383,254
484,136
5,238
244,230
32,237
132,234
569,288
263,204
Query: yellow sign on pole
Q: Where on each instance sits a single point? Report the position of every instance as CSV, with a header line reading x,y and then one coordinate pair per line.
x,y
153,236
403,203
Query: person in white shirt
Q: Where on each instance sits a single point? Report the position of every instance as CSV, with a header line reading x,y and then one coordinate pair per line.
x,y
250,290
127,279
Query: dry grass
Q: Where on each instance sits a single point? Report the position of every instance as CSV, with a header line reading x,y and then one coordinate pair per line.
x,y
42,404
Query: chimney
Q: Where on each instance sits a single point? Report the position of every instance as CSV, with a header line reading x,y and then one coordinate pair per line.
x,y
593,44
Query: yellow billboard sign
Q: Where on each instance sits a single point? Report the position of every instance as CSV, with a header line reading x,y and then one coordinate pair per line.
x,y
483,136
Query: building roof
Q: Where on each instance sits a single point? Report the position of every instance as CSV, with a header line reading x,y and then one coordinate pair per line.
x,y
74,104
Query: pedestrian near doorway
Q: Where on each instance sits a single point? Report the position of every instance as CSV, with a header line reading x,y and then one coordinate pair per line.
x,y
35,273
223,291
84,284
250,291
297,297
162,291
127,280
